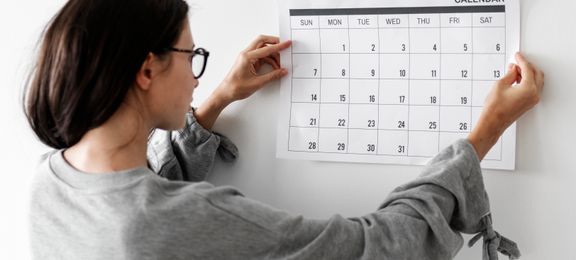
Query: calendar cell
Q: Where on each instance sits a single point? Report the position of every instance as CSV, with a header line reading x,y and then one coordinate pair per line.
x,y
363,116
304,115
393,143
455,119
364,66
304,22
363,21
456,93
480,90
333,140
335,41
363,91
423,144
425,66
424,20
489,66
456,66
393,21
393,117
476,113
335,91
334,116
457,40
394,92
303,139
394,40
364,41
425,118
495,152
306,41
306,90
333,22
306,66
394,66
488,20
489,40
363,141
447,139
425,40
456,20
335,65
425,92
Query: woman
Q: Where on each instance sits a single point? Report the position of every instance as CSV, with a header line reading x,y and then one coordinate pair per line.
x,y
110,72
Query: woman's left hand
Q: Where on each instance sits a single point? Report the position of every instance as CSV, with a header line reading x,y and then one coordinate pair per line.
x,y
244,79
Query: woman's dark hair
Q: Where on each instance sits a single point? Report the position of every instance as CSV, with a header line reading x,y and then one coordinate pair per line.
x,y
89,56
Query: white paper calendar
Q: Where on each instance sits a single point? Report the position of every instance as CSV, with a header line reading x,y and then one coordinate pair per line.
x,y
391,81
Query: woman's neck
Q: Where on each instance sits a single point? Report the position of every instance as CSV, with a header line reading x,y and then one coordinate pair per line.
x,y
119,144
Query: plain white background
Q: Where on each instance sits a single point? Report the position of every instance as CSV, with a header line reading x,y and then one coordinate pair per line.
x,y
535,205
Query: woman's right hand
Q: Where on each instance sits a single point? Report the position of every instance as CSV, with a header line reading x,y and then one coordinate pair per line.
x,y
506,103
244,79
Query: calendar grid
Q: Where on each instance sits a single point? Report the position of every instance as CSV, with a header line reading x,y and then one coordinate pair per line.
x,y
414,105
431,27
324,79
291,87
472,78
319,91
377,147
415,79
408,96
440,88
349,81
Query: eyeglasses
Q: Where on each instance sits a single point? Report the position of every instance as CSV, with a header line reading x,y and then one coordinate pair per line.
x,y
198,65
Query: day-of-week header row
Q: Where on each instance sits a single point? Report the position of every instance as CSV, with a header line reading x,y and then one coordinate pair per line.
x,y
402,20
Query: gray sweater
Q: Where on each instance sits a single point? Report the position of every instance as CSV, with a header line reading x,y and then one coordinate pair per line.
x,y
165,211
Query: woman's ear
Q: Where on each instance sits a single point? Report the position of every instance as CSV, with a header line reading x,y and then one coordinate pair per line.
x,y
147,72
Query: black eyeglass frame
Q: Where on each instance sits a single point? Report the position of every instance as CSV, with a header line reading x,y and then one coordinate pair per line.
x,y
198,51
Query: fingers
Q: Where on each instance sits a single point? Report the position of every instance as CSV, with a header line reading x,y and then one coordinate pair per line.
x,y
272,62
276,57
271,76
268,50
530,72
261,41
539,79
510,77
519,77
526,69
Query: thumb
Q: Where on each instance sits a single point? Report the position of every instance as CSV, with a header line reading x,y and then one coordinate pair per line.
x,y
511,76
271,76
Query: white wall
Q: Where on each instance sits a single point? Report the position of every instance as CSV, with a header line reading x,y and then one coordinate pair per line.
x,y
20,25
535,205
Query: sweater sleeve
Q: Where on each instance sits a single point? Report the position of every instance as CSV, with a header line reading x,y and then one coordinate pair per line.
x,y
420,220
188,154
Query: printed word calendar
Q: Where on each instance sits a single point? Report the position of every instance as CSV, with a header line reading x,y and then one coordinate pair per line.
x,y
394,81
